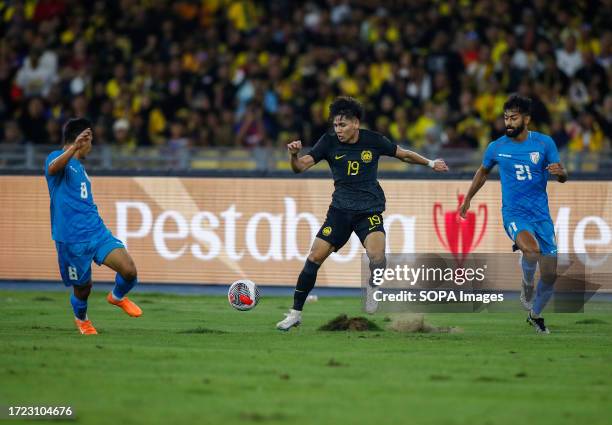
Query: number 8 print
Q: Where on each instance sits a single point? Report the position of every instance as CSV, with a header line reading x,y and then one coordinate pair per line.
x,y
83,190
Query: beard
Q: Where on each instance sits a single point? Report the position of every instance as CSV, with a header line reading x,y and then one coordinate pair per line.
x,y
514,131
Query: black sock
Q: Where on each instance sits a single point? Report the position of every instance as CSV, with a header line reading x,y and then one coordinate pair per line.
x,y
382,265
306,281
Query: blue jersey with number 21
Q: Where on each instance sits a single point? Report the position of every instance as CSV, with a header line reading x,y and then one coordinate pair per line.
x,y
74,215
523,174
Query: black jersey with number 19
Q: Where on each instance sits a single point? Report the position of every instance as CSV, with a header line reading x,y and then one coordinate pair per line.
x,y
354,167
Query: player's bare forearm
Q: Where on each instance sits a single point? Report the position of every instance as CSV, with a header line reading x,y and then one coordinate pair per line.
x,y
61,161
295,164
477,182
411,157
414,158
301,164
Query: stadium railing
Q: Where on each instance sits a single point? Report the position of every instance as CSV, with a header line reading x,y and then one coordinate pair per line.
x,y
108,159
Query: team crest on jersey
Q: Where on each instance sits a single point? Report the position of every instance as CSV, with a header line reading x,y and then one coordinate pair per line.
x,y
535,157
327,231
366,156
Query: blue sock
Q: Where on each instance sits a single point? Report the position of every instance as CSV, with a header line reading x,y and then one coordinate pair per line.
x,y
79,307
122,287
529,269
543,293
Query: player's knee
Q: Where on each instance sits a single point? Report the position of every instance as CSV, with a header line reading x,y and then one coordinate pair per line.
x,y
316,257
82,292
129,272
531,251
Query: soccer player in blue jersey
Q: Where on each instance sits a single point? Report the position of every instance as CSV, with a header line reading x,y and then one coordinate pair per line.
x,y
525,159
78,231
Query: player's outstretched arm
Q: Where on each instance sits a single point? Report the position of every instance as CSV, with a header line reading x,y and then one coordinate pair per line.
x,y
557,169
411,157
301,164
60,162
477,182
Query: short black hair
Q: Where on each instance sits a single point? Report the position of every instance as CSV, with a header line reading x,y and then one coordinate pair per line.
x,y
74,127
346,106
518,103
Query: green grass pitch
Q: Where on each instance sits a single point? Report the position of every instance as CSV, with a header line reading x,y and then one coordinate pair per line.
x,y
195,360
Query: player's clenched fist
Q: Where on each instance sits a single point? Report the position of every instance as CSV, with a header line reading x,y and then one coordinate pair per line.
x,y
83,138
556,169
440,165
294,147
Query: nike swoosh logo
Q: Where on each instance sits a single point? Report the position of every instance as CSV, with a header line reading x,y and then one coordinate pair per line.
x,y
339,157
373,227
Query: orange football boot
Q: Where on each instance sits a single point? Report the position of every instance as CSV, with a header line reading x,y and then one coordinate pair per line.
x,y
85,327
125,304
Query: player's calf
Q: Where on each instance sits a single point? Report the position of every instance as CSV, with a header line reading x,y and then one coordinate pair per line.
x,y
376,262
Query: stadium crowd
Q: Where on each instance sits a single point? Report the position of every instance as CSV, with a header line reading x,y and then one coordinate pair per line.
x,y
250,73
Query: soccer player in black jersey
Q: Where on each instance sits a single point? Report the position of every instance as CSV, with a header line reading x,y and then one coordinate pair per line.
x,y
358,200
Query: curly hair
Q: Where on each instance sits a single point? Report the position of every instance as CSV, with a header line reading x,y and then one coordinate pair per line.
x,y
346,106
518,103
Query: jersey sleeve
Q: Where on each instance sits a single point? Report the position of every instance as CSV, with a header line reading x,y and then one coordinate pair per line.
x,y
320,149
50,159
552,153
489,160
387,147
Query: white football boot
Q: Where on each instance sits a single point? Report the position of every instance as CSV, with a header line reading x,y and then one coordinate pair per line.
x,y
293,318
371,305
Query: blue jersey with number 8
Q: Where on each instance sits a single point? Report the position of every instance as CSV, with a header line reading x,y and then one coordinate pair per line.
x,y
523,174
74,215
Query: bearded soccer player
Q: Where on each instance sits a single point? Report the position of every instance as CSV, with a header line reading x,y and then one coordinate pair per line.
x,y
358,201
525,159
78,231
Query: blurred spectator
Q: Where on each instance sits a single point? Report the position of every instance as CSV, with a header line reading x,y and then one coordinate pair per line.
x,y
251,130
178,140
569,59
37,74
122,136
11,133
605,116
224,134
587,135
54,130
33,122
289,128
559,135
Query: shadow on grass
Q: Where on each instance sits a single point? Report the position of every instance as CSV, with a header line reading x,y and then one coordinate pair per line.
x,y
591,322
202,330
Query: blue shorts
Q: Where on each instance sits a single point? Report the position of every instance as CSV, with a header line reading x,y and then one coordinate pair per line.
x,y
543,231
75,258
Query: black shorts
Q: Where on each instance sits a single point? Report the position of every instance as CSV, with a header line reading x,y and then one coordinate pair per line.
x,y
339,224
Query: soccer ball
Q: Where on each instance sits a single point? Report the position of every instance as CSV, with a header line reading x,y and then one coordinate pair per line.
x,y
243,295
